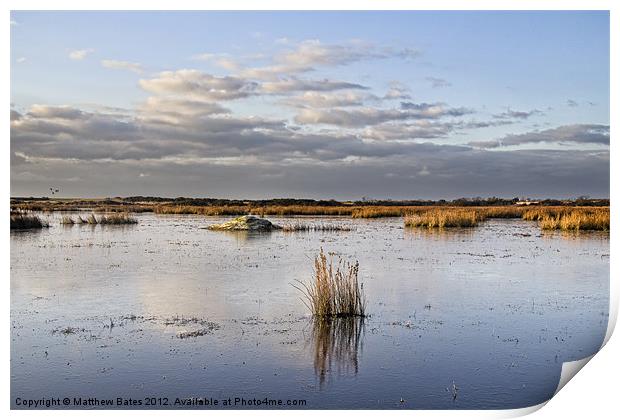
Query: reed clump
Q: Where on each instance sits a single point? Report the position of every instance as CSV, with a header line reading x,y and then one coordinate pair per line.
x,y
444,218
315,227
576,220
67,220
114,219
26,221
335,290
118,219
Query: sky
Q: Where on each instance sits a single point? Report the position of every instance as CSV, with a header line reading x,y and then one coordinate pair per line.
x,y
343,105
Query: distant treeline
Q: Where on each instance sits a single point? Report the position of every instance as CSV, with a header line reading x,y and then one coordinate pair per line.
x,y
461,202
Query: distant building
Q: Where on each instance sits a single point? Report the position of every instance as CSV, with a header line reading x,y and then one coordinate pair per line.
x,y
526,203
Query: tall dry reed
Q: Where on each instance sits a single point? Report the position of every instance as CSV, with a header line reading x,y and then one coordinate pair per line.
x,y
335,290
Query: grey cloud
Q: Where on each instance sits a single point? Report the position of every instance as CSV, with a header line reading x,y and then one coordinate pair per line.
x,y
299,85
451,173
575,133
362,117
437,82
61,112
435,109
15,115
518,114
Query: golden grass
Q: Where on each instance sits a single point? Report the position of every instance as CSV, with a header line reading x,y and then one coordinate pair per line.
x,y
378,211
444,218
576,220
335,290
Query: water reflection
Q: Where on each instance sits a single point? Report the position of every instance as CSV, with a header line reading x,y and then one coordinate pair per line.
x,y
448,234
244,236
336,343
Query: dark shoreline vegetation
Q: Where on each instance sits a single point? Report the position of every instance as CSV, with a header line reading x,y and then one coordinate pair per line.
x,y
577,214
26,221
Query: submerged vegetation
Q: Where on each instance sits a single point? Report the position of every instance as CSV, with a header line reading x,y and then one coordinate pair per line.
x,y
334,291
26,221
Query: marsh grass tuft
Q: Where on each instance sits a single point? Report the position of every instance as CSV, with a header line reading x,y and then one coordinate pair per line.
x,y
67,220
25,221
335,290
118,219
114,219
576,220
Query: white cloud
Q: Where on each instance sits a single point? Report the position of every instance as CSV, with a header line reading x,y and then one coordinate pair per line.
x,y
196,84
123,65
20,60
80,54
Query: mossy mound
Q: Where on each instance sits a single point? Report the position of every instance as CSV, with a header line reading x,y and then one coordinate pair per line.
x,y
252,223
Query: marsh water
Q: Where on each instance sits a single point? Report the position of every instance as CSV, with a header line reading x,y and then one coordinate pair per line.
x,y
474,318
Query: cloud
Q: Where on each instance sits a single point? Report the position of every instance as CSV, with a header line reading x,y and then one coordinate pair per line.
x,y
435,110
196,84
175,110
308,55
518,114
313,99
183,142
21,60
572,103
362,117
299,85
397,91
80,54
123,65
596,134
437,82
55,112
417,130
15,115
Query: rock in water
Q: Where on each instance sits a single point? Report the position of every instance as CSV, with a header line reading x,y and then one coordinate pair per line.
x,y
246,223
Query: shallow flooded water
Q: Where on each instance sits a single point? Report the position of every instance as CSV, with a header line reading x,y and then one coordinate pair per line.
x,y
475,318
